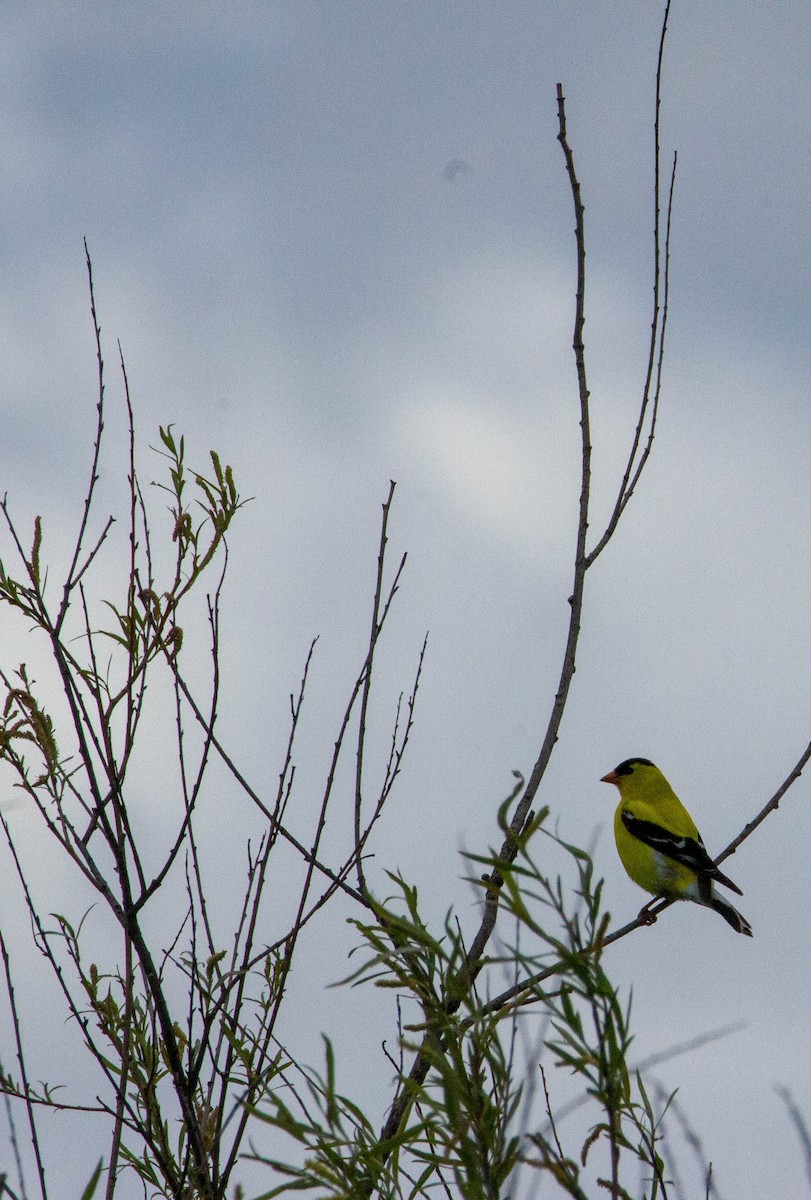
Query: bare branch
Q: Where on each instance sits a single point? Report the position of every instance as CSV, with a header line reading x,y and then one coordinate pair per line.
x,y
367,680
72,577
772,805
636,461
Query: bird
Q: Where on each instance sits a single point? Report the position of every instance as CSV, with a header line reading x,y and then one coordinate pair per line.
x,y
659,845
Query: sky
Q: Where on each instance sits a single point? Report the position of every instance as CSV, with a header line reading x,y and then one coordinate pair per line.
x,y
335,241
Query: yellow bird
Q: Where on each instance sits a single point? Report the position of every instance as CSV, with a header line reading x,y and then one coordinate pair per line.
x,y
659,845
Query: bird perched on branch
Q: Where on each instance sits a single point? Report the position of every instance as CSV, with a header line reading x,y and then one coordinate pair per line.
x,y
659,845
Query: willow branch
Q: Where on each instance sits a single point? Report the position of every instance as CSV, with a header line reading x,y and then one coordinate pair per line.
x,y
522,816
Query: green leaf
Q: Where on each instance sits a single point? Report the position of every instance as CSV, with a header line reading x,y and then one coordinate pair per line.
x,y
90,1190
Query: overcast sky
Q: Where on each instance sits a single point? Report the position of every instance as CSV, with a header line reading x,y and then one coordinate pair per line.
x,y
336,241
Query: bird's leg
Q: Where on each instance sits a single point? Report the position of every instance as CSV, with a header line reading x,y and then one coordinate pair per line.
x,y
646,915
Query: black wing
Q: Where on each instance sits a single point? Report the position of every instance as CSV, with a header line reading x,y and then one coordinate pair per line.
x,y
684,850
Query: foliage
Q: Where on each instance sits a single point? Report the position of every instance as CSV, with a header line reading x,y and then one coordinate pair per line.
x,y
461,1128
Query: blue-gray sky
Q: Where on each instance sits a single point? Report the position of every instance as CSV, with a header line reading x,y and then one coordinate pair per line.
x,y
336,241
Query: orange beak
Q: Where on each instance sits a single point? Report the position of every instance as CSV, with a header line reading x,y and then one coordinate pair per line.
x,y
611,777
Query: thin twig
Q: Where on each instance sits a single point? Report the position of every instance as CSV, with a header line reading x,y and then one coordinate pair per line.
x,y
374,633
772,805
550,1114
634,466
71,577
18,1039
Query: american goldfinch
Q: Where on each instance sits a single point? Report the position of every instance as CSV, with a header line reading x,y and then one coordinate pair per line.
x,y
659,845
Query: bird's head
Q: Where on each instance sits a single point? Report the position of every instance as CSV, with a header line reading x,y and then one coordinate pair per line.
x,y
634,775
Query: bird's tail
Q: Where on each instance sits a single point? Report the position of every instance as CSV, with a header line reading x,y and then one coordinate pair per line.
x,y
730,915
